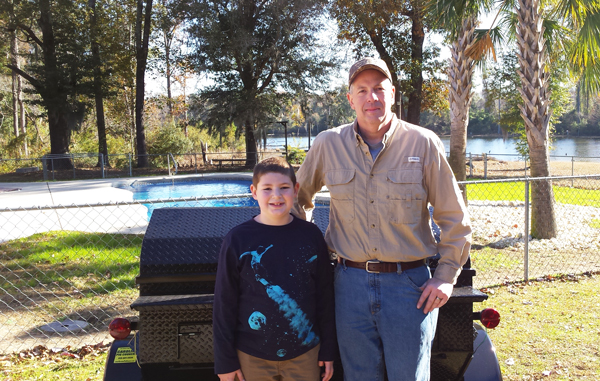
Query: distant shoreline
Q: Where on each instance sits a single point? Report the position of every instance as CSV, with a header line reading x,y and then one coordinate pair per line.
x,y
290,136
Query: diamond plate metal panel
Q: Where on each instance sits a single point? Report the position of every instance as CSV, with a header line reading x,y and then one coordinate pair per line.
x,y
160,342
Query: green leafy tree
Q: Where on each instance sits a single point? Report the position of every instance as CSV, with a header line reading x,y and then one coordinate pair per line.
x,y
143,23
396,31
56,29
251,49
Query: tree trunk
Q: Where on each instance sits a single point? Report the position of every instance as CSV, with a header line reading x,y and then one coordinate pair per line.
x,y
535,112
59,139
377,40
141,42
251,151
14,53
168,73
460,75
413,114
98,93
22,121
54,100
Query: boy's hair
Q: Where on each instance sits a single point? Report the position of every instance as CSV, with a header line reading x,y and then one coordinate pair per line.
x,y
277,164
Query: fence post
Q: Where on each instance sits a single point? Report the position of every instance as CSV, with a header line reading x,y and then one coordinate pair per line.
x,y
485,166
169,164
45,167
129,156
73,160
525,159
470,164
526,236
195,162
102,163
572,169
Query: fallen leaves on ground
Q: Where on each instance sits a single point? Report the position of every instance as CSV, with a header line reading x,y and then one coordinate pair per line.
x,y
56,355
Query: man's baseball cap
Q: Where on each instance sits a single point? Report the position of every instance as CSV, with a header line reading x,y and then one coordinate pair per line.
x,y
366,64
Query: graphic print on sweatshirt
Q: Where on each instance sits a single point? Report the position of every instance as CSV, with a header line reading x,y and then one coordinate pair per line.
x,y
296,318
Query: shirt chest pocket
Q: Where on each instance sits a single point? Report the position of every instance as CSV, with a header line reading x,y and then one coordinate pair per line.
x,y
341,185
405,195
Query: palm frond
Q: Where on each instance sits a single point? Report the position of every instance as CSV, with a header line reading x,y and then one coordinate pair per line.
x,y
586,49
557,37
573,12
590,81
482,48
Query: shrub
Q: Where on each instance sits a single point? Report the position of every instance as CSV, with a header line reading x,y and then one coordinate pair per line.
x,y
295,155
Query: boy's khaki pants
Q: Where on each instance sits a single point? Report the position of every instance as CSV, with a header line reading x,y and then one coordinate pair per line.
x,y
302,368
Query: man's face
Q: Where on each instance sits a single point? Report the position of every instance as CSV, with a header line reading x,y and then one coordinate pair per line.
x,y
371,96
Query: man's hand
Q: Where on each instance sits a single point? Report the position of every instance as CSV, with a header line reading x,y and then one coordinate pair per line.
x,y
435,294
231,376
326,376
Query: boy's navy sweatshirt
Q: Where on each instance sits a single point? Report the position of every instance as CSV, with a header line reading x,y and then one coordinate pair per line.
x,y
273,294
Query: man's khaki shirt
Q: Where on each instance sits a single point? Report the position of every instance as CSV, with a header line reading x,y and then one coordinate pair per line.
x,y
379,209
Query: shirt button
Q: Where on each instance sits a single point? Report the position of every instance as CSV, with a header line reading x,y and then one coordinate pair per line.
x,y
371,175
374,249
373,225
372,201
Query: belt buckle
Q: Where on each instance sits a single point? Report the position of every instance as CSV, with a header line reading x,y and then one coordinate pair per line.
x,y
367,266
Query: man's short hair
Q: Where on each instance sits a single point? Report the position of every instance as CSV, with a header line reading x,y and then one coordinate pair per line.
x,y
277,164
366,64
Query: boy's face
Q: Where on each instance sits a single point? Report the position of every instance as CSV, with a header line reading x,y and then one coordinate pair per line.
x,y
275,194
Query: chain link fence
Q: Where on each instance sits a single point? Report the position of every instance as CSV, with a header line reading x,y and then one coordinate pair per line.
x,y
97,166
76,265
93,165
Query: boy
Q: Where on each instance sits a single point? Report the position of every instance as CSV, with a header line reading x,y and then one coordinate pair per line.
x,y
273,316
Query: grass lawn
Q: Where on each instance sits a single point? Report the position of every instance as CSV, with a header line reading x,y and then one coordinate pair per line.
x,y
515,191
549,330
95,262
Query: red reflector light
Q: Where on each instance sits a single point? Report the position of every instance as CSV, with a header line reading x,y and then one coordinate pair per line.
x,y
119,328
490,318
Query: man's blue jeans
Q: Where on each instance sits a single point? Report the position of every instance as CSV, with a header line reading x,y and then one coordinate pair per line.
x,y
379,326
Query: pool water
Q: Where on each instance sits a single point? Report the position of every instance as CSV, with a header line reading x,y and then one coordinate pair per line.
x,y
199,188
202,188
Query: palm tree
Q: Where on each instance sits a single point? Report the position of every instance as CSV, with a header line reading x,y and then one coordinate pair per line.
x,y
581,19
459,19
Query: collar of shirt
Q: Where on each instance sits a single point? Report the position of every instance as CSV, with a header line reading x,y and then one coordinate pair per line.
x,y
393,126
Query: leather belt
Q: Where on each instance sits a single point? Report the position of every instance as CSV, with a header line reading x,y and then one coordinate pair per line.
x,y
382,267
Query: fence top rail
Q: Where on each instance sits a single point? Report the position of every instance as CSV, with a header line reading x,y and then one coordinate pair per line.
x,y
522,179
247,195
126,203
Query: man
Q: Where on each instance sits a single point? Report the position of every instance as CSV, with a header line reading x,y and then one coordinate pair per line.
x,y
382,173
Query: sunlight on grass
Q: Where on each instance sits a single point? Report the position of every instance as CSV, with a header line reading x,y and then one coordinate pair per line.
x,y
515,191
548,329
97,262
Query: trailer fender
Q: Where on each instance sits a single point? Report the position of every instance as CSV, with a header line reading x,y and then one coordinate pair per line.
x,y
484,365
121,362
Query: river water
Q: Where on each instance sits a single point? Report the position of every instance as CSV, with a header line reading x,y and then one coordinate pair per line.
x,y
563,149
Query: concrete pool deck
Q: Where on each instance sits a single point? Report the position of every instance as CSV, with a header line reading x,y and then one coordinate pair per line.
x,y
86,192
79,205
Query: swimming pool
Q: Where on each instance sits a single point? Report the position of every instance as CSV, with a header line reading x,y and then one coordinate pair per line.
x,y
214,192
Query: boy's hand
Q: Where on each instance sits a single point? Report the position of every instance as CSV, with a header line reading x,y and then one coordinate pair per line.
x,y
326,376
231,376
